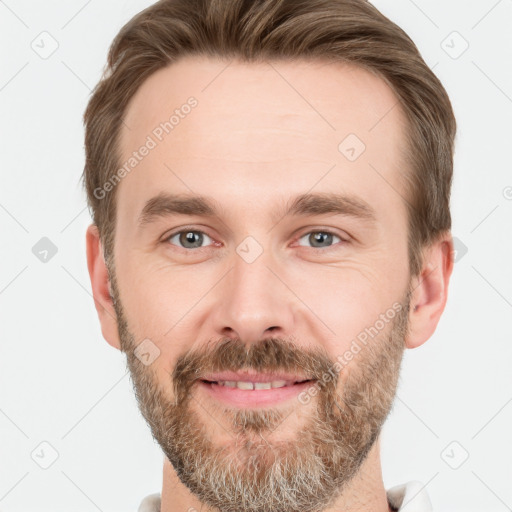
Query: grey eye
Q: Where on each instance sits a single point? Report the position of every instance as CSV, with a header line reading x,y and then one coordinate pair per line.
x,y
189,239
319,239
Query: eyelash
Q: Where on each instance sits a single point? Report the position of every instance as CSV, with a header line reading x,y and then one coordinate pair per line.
x,y
324,231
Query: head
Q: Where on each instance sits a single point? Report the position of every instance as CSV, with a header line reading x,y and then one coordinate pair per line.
x,y
304,150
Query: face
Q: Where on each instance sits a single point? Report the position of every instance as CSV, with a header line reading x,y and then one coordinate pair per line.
x,y
261,242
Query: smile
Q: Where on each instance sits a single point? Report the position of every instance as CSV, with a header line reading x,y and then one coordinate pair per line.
x,y
255,392
255,385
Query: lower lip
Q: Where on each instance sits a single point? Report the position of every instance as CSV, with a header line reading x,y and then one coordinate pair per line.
x,y
254,397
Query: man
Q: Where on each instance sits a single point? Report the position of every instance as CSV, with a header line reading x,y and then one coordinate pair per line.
x,y
304,150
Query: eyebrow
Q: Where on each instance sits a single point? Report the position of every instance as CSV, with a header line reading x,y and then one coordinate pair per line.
x,y
165,204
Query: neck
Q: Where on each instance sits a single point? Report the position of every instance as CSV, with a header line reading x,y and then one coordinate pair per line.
x,y
364,493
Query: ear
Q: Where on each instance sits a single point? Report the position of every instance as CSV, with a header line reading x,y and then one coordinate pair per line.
x,y
430,291
101,287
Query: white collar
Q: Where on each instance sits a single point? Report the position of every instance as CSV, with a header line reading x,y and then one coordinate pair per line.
x,y
411,494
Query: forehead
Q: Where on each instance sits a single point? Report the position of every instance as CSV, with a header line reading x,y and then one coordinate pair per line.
x,y
258,129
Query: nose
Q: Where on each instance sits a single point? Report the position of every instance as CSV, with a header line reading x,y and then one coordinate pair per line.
x,y
253,301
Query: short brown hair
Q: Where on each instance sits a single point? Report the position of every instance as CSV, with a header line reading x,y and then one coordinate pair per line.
x,y
352,31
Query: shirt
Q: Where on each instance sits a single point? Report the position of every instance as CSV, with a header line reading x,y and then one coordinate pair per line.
x,y
411,494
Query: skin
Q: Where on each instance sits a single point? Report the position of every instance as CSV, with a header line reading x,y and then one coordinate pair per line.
x,y
252,143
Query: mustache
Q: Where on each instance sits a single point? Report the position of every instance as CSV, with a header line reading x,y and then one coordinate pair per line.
x,y
271,355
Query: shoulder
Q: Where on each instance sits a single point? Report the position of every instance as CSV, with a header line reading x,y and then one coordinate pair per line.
x,y
150,503
411,496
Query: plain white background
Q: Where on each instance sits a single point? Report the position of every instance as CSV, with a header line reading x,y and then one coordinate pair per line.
x,y
62,385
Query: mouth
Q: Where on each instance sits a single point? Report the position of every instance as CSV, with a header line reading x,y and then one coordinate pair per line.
x,y
253,390
249,385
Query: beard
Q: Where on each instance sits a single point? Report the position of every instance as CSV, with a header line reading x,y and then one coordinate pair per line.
x,y
252,471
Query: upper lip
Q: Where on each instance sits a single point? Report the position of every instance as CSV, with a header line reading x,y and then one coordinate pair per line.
x,y
253,377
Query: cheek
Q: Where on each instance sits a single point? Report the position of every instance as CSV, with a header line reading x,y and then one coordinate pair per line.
x,y
156,306
345,301
346,298
155,295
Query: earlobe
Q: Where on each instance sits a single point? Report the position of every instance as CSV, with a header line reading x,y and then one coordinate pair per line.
x,y
101,290
429,291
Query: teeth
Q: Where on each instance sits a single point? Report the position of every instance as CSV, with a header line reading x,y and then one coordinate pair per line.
x,y
253,385
245,385
262,385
